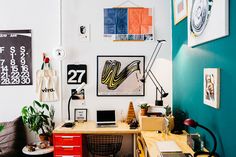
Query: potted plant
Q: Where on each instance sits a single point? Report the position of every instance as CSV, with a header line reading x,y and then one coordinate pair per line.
x,y
38,117
144,107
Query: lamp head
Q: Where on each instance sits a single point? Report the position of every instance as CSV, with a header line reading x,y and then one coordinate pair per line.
x,y
165,95
191,123
142,80
160,41
78,89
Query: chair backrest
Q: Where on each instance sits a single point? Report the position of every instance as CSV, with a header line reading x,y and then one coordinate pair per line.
x,y
104,145
141,147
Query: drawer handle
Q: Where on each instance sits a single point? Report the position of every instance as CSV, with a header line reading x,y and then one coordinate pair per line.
x,y
67,147
67,137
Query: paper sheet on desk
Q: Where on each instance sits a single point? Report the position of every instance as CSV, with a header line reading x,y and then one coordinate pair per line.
x,y
168,146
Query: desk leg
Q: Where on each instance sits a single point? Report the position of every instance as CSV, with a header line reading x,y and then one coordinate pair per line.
x,y
134,144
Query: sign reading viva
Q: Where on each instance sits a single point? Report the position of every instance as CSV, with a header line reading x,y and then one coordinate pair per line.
x,y
15,57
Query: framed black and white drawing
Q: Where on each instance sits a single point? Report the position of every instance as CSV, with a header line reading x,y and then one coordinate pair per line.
x,y
211,92
120,75
80,115
76,73
207,20
84,32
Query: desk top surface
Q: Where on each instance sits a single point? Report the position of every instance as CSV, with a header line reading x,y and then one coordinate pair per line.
x,y
90,127
151,137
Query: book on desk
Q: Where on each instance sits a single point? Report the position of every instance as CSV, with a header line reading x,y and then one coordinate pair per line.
x,y
170,149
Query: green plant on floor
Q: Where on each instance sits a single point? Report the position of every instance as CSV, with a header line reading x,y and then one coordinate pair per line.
x,y
1,127
38,117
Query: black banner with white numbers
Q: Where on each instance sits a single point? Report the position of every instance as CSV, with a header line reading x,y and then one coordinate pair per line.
x,y
15,57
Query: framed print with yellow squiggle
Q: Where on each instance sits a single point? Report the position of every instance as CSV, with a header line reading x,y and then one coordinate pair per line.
x,y
120,75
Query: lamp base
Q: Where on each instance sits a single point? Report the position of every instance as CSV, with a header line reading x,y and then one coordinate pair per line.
x,y
158,102
211,154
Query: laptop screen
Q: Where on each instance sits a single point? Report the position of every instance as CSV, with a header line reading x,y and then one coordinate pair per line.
x,y
106,116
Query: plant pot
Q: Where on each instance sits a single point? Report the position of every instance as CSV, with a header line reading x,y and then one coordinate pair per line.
x,y
43,137
50,139
143,112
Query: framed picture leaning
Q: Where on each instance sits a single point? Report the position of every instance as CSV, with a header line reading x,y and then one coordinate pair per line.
x,y
80,115
180,10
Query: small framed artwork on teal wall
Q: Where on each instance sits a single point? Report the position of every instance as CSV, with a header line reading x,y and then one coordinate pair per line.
x,y
207,20
211,87
180,10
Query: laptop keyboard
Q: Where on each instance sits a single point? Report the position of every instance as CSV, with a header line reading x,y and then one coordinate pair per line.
x,y
107,126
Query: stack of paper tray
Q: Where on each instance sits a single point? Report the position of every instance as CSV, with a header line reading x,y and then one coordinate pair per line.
x,y
169,149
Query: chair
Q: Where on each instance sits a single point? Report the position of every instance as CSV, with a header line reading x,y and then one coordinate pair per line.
x,y
141,147
104,145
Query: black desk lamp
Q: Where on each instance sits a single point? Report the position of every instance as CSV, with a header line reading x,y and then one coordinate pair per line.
x,y
148,72
71,124
192,123
76,91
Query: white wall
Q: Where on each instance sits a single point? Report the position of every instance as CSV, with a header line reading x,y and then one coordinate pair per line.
x,y
77,12
42,17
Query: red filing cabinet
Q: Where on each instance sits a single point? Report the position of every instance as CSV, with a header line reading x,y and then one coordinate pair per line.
x,y
67,145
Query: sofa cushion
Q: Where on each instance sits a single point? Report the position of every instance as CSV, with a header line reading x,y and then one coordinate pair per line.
x,y
12,138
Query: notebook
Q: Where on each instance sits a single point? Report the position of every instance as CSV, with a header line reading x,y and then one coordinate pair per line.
x,y
168,147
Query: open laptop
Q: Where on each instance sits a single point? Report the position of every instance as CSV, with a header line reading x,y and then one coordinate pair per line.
x,y
106,118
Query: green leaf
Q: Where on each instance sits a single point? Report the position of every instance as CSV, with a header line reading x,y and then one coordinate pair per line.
x,y
46,106
1,127
37,103
32,109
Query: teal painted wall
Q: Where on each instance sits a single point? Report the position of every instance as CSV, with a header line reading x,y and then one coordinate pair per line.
x,y
188,65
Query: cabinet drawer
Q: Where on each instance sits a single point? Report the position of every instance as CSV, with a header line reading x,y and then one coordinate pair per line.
x,y
67,139
68,156
67,150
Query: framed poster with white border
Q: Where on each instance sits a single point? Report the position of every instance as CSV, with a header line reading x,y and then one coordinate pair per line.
x,y
120,75
207,20
180,10
211,93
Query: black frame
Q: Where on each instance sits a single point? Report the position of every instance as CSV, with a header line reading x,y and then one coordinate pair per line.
x,y
81,109
117,56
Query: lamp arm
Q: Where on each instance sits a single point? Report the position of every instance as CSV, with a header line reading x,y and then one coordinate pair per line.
x,y
69,106
152,77
155,81
153,57
213,136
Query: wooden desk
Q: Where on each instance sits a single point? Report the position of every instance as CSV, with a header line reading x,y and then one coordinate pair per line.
x,y
151,137
91,128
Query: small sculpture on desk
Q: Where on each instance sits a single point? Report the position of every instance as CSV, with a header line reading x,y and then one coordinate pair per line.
x,y
166,126
168,120
131,113
133,124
